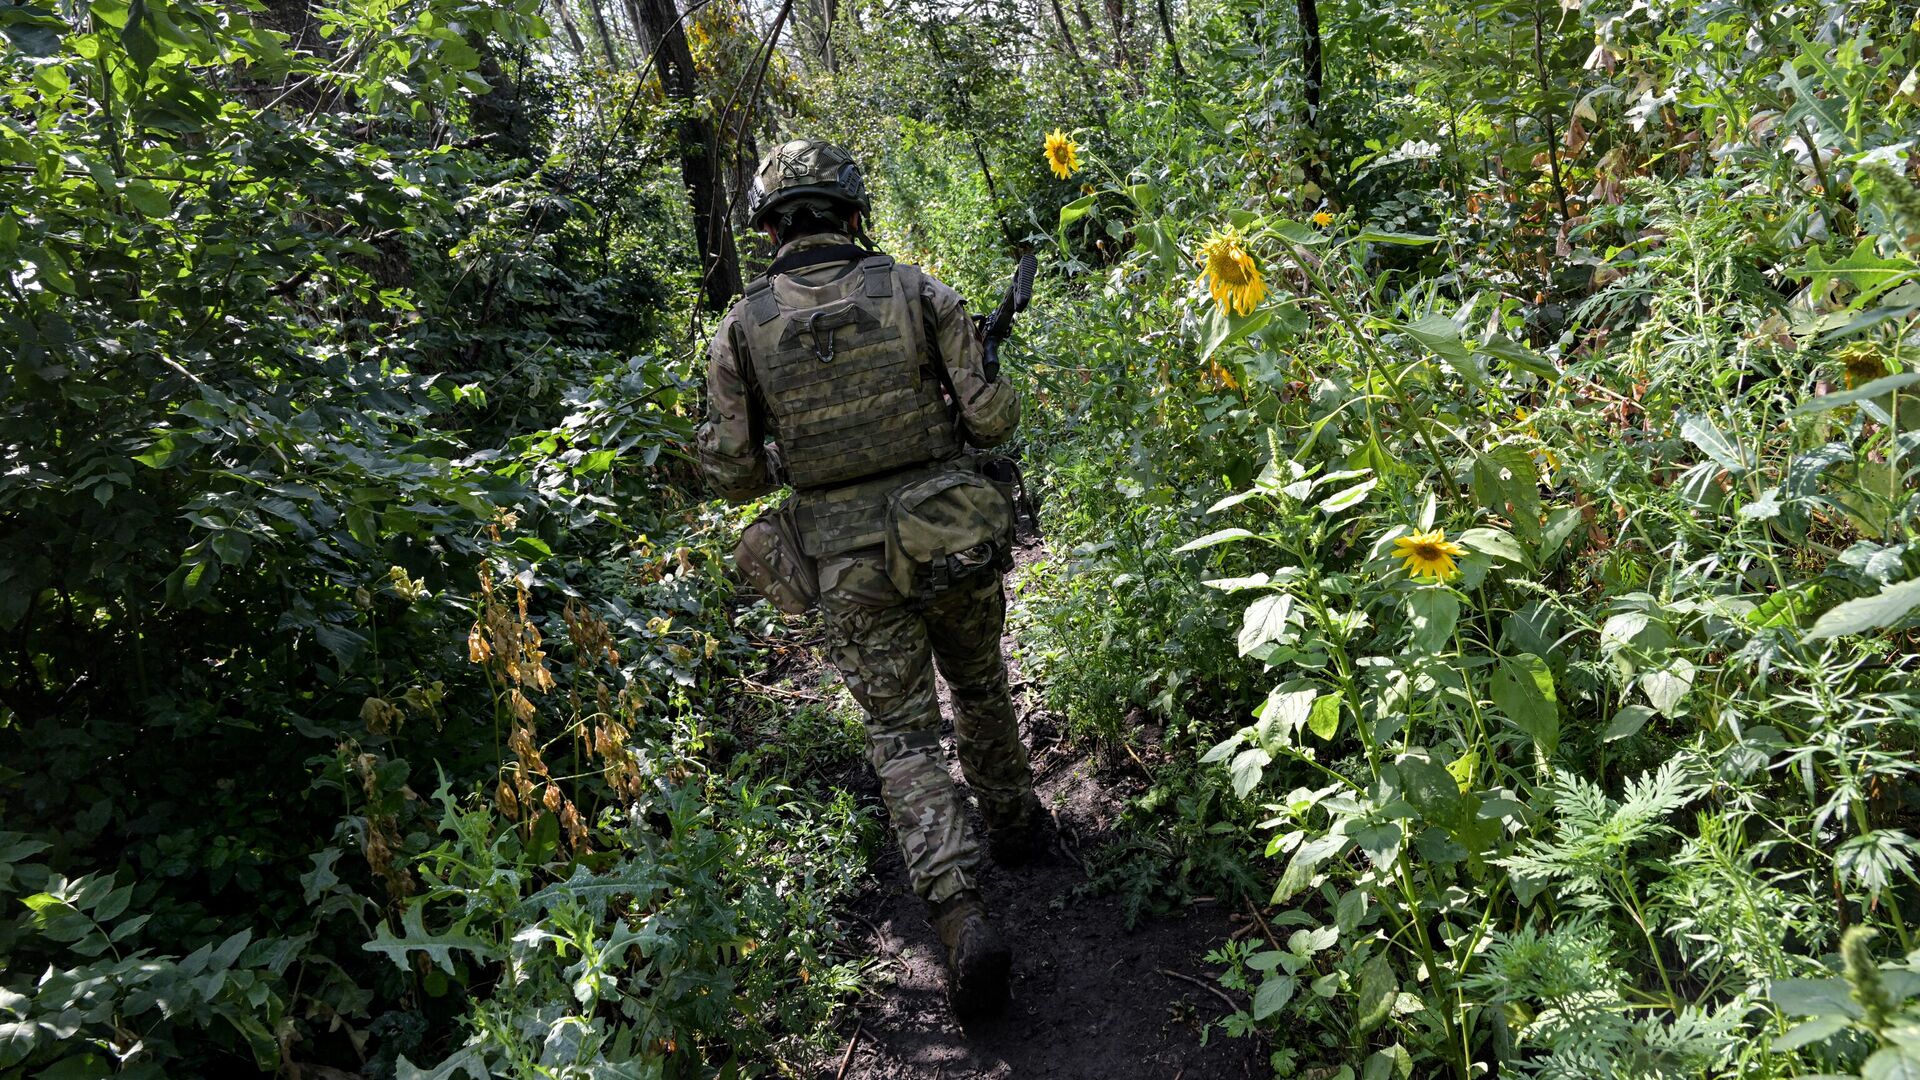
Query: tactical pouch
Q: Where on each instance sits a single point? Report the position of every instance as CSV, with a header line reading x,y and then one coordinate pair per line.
x,y
946,528
770,559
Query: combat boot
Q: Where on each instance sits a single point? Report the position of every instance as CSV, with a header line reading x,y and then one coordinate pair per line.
x,y
1021,837
978,962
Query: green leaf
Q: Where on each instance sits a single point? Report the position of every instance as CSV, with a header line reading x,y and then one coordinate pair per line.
x,y
1273,995
1716,444
1817,1030
1076,210
1222,329
1884,385
1523,690
1433,613
1286,710
1495,543
1892,1063
1885,608
1666,687
1382,236
1864,270
438,947
1324,718
1347,498
1214,539
1305,863
1247,768
1440,337
1518,355
1813,997
1630,719
1266,619
1378,987
147,199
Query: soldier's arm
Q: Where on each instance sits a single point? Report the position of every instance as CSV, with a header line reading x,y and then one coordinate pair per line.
x,y
991,409
732,441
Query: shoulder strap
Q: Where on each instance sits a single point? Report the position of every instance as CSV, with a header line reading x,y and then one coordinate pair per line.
x,y
758,299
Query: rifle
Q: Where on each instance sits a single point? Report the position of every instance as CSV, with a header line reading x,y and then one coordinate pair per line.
x,y
997,325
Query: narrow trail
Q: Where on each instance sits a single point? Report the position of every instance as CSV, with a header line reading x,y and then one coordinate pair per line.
x,y
1091,999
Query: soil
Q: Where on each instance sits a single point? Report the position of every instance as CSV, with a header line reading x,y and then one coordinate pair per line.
x,y
1090,999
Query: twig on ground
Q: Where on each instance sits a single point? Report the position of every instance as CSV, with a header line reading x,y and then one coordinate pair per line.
x,y
1202,984
780,692
847,1058
1065,836
1264,928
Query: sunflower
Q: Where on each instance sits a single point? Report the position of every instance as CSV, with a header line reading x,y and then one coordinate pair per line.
x,y
1323,219
1230,272
1063,154
1861,363
1428,554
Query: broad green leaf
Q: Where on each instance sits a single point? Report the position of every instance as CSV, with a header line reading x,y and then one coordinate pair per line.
x,y
1286,710
1630,719
1495,543
1347,498
1885,608
1519,356
1222,329
1716,444
1247,768
1666,687
1817,1030
1076,210
1382,236
1892,1063
1863,270
1433,612
1441,338
1813,997
1523,690
1324,718
1273,995
1867,392
1214,539
1266,619
1305,864
147,199
415,938
1378,987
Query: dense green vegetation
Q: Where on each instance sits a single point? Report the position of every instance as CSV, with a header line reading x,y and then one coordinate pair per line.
x,y
370,677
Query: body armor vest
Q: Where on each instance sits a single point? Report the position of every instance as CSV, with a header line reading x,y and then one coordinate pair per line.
x,y
847,377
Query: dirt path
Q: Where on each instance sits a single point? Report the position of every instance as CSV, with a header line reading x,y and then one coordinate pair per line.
x,y
1090,998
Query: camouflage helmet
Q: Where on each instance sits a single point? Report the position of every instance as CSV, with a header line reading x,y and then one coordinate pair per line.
x,y
807,172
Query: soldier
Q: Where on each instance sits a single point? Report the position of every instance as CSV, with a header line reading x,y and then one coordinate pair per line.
x,y
868,376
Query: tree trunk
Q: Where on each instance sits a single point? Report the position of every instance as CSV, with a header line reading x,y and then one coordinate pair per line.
x,y
1314,68
573,32
1069,45
1173,45
702,166
606,36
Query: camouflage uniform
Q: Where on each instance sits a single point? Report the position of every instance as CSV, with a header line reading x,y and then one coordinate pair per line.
x,y
885,644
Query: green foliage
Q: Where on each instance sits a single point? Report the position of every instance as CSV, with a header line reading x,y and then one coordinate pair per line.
x,y
1605,317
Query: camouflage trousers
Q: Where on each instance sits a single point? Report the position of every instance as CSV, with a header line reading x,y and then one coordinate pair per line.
x,y
886,650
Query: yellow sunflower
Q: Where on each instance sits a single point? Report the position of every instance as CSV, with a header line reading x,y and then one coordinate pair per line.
x,y
1063,154
1861,363
1230,273
1323,219
1429,554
